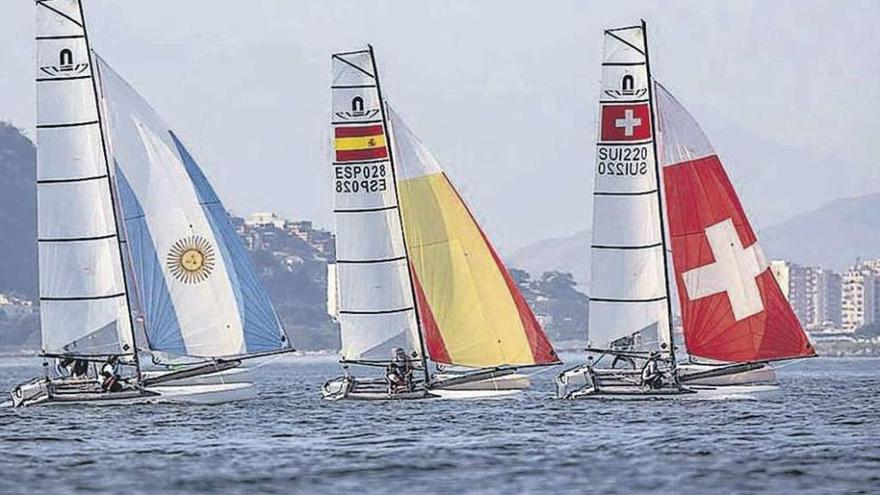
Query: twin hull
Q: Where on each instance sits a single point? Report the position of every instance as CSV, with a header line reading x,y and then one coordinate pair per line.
x,y
215,388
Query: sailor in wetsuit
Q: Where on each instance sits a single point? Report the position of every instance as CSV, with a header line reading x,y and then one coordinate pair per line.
x,y
651,375
399,372
110,375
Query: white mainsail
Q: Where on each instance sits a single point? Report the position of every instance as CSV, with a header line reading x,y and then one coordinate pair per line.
x,y
376,307
629,295
83,298
332,292
199,292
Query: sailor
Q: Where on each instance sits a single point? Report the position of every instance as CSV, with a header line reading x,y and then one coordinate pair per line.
x,y
64,367
651,376
110,375
71,367
399,372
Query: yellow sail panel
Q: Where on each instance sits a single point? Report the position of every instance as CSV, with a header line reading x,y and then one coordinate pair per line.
x,y
472,314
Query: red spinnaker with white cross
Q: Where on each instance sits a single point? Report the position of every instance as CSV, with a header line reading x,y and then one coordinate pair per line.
x,y
732,307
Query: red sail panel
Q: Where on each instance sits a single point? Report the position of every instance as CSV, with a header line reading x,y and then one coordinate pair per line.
x,y
431,333
732,307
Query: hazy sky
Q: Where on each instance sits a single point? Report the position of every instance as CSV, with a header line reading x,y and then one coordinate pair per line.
x,y
504,93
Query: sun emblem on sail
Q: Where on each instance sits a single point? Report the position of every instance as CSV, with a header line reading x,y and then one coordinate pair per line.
x,y
191,259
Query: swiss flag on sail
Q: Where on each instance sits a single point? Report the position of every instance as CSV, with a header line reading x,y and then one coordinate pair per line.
x,y
732,307
626,122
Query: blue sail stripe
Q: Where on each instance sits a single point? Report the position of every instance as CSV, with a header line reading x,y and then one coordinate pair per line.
x,y
161,324
262,328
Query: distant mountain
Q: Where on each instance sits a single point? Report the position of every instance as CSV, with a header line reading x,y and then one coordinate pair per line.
x,y
832,236
18,213
564,254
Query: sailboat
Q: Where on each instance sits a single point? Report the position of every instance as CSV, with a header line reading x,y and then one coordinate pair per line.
x,y
735,318
415,274
133,242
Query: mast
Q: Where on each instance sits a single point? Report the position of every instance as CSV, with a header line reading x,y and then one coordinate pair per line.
x,y
137,363
659,195
412,289
120,214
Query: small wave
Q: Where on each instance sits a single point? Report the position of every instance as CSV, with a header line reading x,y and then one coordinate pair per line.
x,y
40,439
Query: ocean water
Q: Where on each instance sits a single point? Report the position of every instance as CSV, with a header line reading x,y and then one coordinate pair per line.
x,y
819,434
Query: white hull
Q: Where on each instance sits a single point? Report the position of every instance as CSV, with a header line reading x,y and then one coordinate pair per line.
x,y
697,392
40,393
350,388
234,375
764,375
477,394
512,382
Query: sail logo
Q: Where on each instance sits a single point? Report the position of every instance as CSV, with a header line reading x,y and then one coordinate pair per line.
x,y
734,272
360,143
357,111
626,122
191,259
627,89
65,66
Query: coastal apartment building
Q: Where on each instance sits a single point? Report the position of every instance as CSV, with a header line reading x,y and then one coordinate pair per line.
x,y
814,293
860,303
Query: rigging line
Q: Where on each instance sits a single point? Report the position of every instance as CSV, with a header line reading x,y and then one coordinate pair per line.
x,y
353,65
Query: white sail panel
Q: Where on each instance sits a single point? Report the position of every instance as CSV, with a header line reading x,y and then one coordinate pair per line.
x,y
628,285
195,297
332,292
376,307
357,296
370,246
83,300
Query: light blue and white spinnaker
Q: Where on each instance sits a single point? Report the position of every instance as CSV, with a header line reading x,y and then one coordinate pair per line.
x,y
197,288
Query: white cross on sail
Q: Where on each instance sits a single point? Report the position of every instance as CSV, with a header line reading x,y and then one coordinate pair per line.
x,y
628,123
733,272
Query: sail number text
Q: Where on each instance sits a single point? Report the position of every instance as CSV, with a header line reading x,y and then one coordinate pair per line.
x,y
623,160
361,178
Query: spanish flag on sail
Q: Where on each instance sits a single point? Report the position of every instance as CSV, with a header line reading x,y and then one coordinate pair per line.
x,y
360,143
472,313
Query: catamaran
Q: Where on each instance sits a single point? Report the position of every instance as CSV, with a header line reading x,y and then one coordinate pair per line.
x,y
417,280
735,318
133,242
